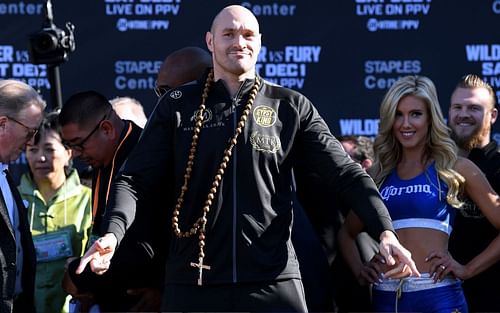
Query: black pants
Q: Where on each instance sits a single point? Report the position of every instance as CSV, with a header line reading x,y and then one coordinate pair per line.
x,y
275,296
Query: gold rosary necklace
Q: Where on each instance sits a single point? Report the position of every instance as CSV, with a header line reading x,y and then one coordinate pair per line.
x,y
199,226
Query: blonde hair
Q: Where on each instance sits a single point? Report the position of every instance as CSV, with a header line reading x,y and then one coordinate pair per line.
x,y
439,147
472,81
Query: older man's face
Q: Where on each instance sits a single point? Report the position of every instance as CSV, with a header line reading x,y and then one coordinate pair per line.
x,y
17,131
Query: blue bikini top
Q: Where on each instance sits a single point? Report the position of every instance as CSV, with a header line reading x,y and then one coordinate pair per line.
x,y
418,202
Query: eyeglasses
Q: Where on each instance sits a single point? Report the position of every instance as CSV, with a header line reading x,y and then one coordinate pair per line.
x,y
161,90
80,146
31,131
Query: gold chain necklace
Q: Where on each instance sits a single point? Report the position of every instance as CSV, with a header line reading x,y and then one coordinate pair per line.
x,y
199,226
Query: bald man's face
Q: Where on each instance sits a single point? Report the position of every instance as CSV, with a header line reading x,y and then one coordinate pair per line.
x,y
235,41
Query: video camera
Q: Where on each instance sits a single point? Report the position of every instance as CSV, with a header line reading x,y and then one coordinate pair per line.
x,y
51,45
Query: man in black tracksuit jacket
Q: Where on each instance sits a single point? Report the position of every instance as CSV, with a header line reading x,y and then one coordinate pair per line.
x,y
246,238
139,262
473,110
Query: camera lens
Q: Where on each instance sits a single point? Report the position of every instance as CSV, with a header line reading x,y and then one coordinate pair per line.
x,y
45,42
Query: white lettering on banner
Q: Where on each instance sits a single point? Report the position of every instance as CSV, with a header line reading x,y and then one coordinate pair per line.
x,y
374,25
133,83
125,25
143,9
6,54
284,70
491,68
373,82
495,6
359,127
276,56
287,67
137,67
273,9
262,55
28,70
392,66
369,9
21,8
3,69
119,9
302,53
488,56
380,73
15,64
136,74
493,81
483,52
415,9
166,9
393,8
22,56
297,83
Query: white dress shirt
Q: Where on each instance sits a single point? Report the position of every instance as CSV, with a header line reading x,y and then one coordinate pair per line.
x,y
6,192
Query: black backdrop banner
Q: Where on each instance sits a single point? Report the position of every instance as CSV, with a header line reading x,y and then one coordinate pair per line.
x,y
343,55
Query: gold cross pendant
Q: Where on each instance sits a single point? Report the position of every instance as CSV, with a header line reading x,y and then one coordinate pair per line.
x,y
200,267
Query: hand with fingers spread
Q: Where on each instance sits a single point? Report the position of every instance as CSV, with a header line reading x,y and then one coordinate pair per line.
x,y
99,255
442,264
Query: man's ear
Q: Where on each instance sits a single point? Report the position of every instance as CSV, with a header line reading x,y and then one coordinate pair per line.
x,y
210,41
108,129
494,115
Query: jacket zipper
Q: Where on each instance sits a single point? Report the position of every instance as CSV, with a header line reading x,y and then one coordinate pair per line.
x,y
235,209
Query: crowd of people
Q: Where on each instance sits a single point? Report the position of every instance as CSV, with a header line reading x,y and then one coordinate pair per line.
x,y
234,196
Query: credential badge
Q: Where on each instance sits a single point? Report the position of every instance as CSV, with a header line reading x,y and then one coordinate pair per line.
x,y
264,116
176,94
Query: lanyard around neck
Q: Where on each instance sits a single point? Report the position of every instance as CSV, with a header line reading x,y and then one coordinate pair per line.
x,y
110,179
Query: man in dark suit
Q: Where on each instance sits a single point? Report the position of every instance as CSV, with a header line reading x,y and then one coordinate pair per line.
x,y
21,110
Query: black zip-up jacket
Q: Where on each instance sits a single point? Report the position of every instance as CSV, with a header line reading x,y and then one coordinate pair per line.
x,y
249,224
139,260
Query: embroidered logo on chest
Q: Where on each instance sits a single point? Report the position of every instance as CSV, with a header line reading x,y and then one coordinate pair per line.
x,y
265,143
264,116
207,116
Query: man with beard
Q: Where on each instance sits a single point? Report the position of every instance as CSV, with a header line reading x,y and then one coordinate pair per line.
x,y
473,109
222,152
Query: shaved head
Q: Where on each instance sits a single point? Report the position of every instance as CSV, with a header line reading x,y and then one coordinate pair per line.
x,y
235,41
237,11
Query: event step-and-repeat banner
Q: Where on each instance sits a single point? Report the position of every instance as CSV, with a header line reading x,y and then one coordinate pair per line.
x,y
341,54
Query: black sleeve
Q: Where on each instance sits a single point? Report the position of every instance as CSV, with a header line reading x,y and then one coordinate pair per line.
x,y
145,175
321,157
